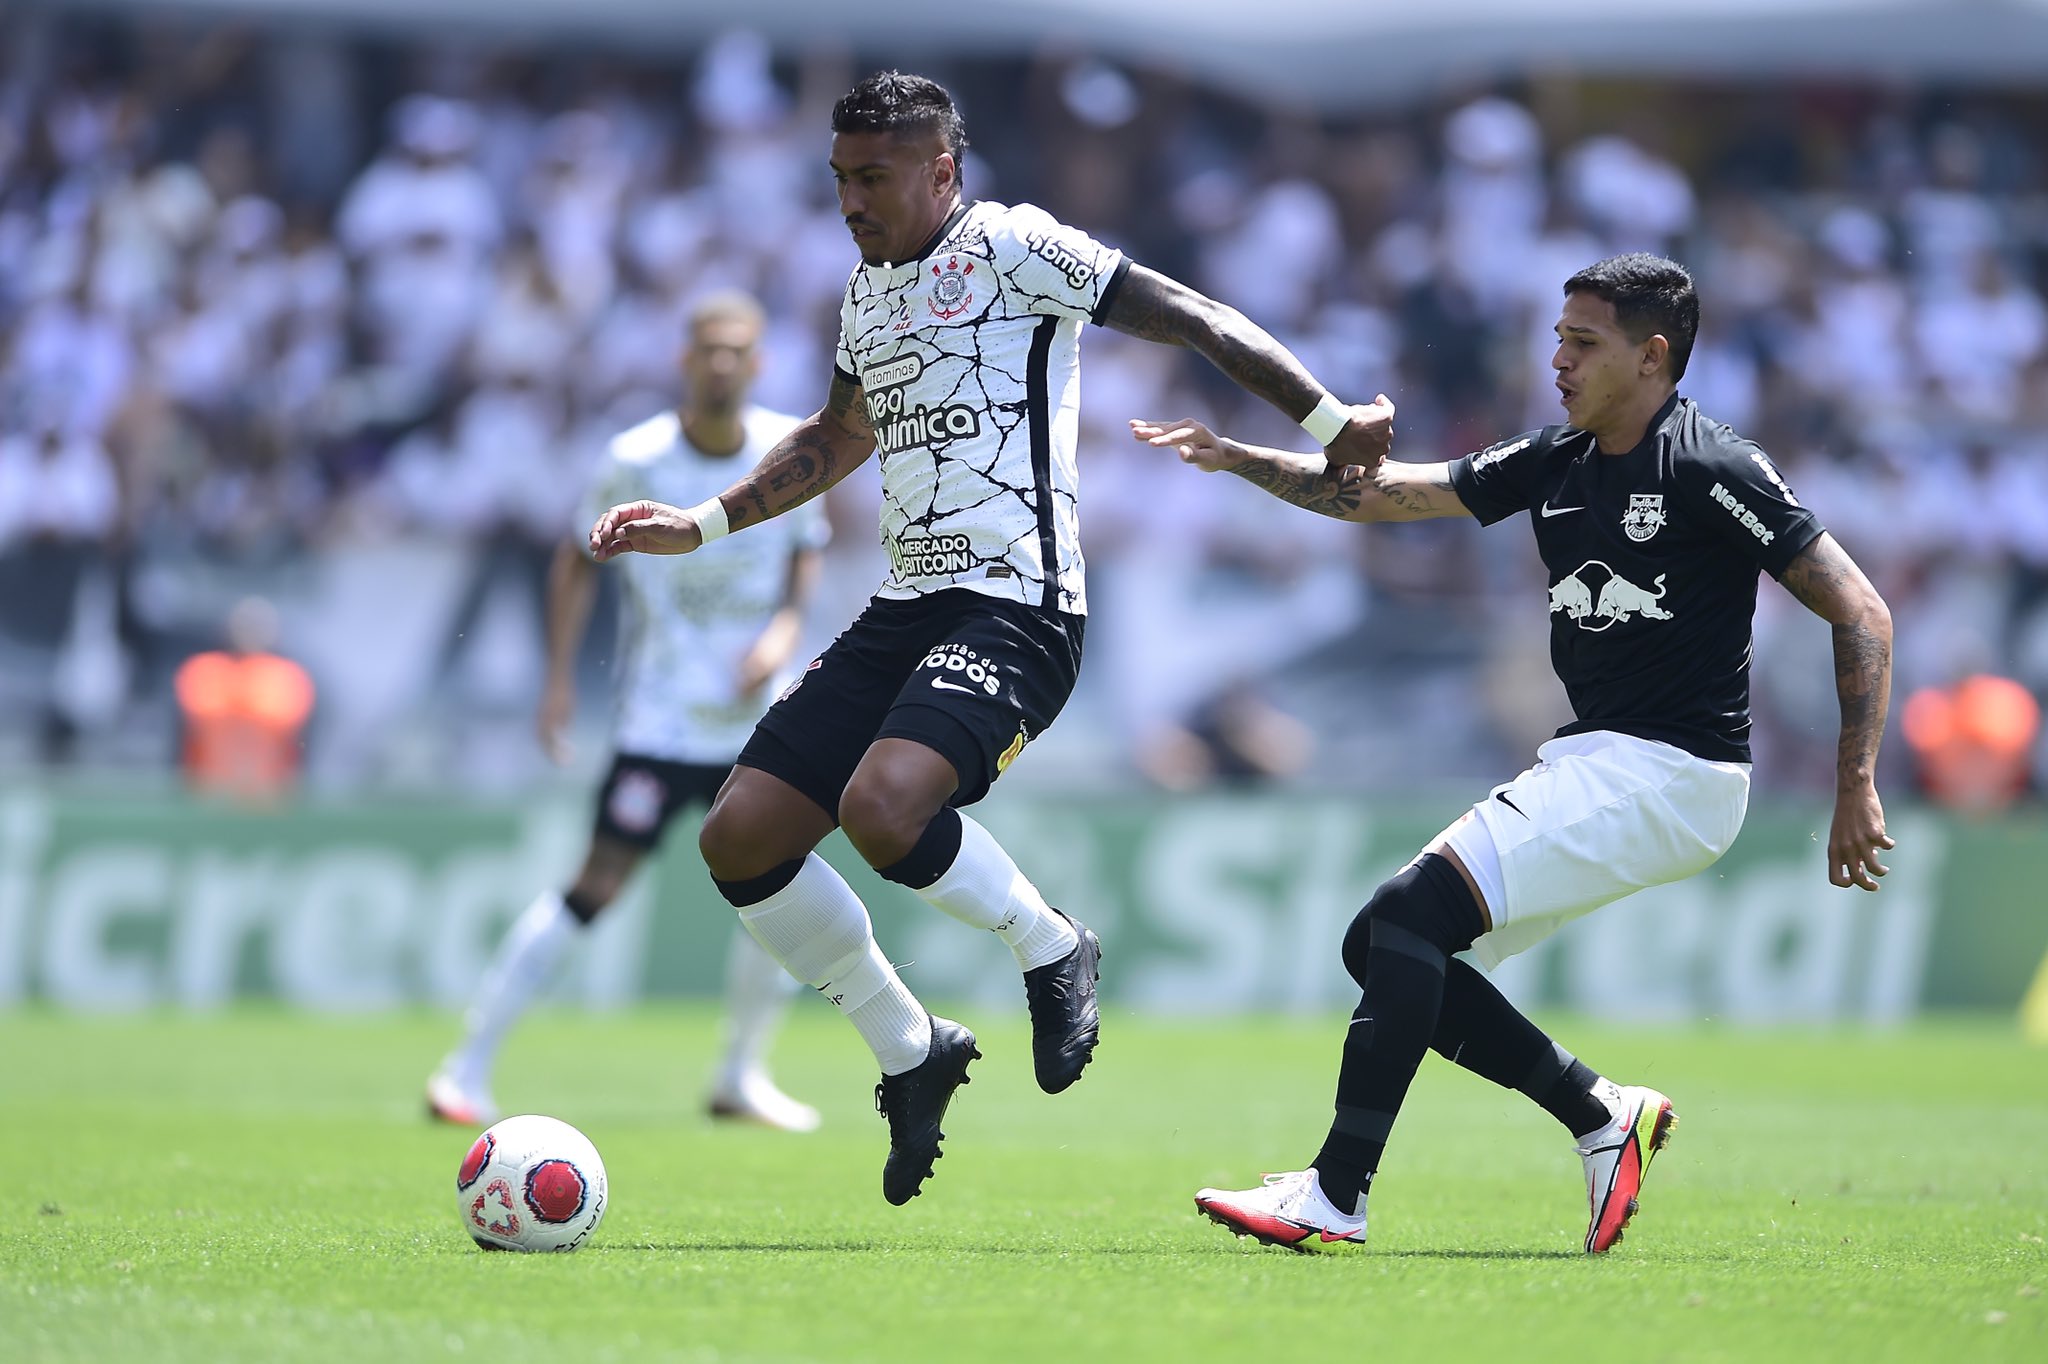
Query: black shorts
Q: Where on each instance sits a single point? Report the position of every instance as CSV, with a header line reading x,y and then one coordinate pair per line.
x,y
971,676
641,795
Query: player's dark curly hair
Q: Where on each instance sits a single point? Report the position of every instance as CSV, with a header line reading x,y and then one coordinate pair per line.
x,y
891,102
1652,296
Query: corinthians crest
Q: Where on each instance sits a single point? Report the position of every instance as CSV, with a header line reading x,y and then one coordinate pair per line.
x,y
951,294
1644,517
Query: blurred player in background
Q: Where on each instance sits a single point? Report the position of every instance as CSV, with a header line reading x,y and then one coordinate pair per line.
x,y
1653,521
705,642
959,358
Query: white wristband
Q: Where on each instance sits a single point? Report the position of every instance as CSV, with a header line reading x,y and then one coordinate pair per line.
x,y
710,518
1326,423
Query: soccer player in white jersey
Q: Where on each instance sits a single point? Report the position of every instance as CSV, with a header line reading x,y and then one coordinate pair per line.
x,y
1654,522
959,359
706,641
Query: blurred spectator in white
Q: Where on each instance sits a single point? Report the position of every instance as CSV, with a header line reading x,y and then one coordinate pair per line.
x,y
1276,261
1748,259
203,353
421,222
572,201
499,478
1949,221
243,269
73,353
57,487
1977,339
148,224
756,165
1723,378
1857,346
1494,197
1637,202
527,328
59,504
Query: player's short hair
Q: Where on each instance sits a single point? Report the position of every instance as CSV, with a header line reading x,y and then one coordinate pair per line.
x,y
1652,296
726,305
892,102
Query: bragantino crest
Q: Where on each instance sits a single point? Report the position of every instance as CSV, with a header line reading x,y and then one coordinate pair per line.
x,y
1644,517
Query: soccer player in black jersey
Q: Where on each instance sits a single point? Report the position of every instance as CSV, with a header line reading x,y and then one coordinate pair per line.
x,y
959,359
1653,521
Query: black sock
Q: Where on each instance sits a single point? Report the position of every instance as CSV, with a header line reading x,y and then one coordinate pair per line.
x,y
1396,949
584,907
1478,1029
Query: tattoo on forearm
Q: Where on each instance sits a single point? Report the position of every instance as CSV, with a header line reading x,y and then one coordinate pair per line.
x,y
802,467
796,473
1863,681
1147,308
843,402
1827,582
1154,308
1334,493
810,459
1416,497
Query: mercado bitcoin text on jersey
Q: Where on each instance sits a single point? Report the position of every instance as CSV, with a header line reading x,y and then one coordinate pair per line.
x,y
969,363
691,618
1653,558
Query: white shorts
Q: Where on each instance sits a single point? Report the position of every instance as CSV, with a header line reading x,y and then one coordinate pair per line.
x,y
1600,816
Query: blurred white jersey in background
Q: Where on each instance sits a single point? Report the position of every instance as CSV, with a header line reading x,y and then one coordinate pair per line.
x,y
690,618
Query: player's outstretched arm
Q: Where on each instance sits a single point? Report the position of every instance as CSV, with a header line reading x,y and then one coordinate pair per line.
x,y
1390,491
1151,306
816,454
1827,581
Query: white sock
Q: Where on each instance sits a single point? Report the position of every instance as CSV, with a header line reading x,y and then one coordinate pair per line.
x,y
820,932
757,992
524,962
984,888
883,1011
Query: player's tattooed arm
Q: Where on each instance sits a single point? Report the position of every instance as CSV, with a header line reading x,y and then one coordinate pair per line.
x,y
816,454
1827,581
1153,307
1390,491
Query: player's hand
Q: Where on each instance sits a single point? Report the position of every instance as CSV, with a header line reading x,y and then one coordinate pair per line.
x,y
1367,436
557,704
643,528
770,652
760,664
1195,443
1856,839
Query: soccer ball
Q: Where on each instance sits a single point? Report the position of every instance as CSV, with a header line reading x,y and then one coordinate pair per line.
x,y
531,1183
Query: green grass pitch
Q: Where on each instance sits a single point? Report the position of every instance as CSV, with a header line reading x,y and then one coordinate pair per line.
x,y
261,1185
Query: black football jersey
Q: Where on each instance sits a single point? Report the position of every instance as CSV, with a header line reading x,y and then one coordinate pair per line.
x,y
1653,558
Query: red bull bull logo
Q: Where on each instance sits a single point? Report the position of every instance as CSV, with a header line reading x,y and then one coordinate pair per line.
x,y
1595,597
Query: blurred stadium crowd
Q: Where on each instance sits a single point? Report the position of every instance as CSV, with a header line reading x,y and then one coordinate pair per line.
x,y
341,323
